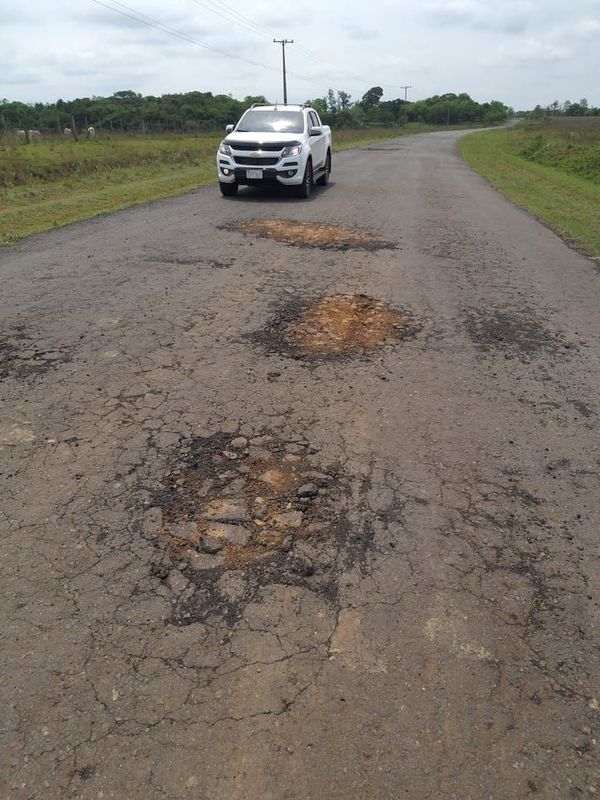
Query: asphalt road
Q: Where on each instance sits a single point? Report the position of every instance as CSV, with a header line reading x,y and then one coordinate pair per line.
x,y
430,629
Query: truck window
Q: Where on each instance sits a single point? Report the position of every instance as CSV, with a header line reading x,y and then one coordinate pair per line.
x,y
256,121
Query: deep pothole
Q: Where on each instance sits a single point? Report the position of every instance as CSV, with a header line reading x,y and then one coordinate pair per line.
x,y
334,327
233,514
312,234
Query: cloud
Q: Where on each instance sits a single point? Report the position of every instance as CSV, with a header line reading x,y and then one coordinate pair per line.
x,y
506,17
360,32
527,51
436,45
587,28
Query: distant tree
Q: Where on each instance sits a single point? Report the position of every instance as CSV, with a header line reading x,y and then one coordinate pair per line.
x,y
250,100
372,97
332,103
319,104
343,100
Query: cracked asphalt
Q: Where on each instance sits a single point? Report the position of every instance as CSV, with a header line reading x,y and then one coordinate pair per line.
x,y
435,635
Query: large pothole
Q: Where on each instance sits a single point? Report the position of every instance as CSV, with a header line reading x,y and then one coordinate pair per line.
x,y
312,234
334,327
238,512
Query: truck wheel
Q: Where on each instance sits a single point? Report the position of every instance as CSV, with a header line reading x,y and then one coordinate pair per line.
x,y
228,189
324,179
305,188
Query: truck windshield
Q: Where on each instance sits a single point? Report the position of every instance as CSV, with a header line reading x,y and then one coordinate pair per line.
x,y
271,122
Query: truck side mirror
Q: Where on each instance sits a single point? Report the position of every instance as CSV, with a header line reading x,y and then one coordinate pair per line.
x,y
229,128
316,131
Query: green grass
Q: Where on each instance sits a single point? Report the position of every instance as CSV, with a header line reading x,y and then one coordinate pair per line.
x,y
553,171
53,183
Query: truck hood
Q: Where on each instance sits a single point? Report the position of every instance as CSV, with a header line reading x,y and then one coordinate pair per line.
x,y
263,138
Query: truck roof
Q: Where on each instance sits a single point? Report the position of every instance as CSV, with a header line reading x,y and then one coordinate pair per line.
x,y
279,106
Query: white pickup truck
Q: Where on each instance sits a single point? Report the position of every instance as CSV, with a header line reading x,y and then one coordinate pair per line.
x,y
271,144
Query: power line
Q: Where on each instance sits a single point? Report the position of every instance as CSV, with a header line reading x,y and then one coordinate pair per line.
x,y
217,9
138,16
132,13
259,29
153,23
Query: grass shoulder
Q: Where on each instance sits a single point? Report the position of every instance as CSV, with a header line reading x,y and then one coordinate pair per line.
x,y
538,179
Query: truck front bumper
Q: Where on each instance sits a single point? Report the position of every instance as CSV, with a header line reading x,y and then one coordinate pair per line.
x,y
230,172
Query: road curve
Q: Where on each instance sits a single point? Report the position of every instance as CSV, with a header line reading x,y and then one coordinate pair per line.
x,y
431,630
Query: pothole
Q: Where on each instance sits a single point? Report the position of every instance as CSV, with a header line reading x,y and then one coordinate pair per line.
x,y
238,512
189,261
517,334
21,357
335,326
312,234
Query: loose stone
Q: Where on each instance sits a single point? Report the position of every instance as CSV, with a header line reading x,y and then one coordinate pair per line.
x,y
184,530
261,440
234,534
211,544
239,443
307,490
227,511
289,519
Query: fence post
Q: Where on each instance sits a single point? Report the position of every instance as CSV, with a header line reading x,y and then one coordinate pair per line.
x,y
74,128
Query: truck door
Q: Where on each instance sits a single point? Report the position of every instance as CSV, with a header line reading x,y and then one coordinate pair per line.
x,y
318,144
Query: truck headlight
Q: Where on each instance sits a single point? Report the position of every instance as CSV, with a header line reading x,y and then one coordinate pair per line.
x,y
295,150
224,149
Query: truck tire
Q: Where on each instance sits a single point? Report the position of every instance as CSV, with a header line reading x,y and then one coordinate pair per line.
x,y
228,189
305,188
323,180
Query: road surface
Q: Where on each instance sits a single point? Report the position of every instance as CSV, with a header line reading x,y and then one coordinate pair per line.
x,y
237,565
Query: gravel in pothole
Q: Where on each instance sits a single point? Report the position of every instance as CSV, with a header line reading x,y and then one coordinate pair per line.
x,y
334,327
233,514
232,502
311,234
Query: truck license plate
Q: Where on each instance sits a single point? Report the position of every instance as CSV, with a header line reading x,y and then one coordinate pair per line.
x,y
254,174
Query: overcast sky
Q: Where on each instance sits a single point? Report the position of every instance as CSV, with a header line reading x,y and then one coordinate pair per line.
x,y
522,52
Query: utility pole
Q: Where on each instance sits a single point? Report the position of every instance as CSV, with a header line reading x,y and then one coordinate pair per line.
x,y
283,43
406,88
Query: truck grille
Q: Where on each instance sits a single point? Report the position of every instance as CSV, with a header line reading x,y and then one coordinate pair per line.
x,y
256,162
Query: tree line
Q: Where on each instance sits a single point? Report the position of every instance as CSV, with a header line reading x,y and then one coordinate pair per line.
x,y
566,109
128,111
337,109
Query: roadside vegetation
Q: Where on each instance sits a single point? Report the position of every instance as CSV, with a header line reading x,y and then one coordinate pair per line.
x,y
193,112
52,183
551,167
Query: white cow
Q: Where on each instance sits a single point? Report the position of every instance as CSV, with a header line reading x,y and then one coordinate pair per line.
x,y
91,132
34,136
21,136
67,133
